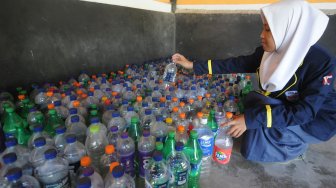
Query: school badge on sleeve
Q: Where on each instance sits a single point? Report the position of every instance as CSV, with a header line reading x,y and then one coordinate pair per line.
x,y
327,80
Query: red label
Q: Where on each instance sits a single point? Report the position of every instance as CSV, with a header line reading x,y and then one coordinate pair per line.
x,y
221,156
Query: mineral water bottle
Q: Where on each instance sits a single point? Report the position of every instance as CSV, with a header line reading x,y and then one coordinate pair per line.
x,y
181,134
157,174
84,182
32,116
118,121
62,111
182,120
128,116
36,157
223,145
120,179
113,136
129,95
169,74
73,112
95,144
77,128
16,179
175,114
231,106
96,179
10,160
73,152
60,140
85,162
109,177
147,120
38,132
107,115
126,150
53,121
194,154
159,130
179,166
109,157
12,146
146,148
54,172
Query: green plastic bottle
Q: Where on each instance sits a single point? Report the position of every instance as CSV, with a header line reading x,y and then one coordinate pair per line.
x,y
53,121
212,122
169,145
134,130
194,153
12,122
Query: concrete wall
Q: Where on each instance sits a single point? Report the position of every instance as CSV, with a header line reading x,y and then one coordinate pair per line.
x,y
49,40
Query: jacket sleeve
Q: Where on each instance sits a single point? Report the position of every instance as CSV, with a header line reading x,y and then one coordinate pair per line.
x,y
240,64
315,87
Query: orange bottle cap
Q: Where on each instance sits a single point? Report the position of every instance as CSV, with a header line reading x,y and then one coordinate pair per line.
x,y
175,109
207,95
162,99
51,106
84,95
85,161
109,149
182,104
180,128
229,115
113,164
91,89
175,99
50,93
114,93
182,115
199,97
139,98
21,97
199,114
76,103
191,101
79,92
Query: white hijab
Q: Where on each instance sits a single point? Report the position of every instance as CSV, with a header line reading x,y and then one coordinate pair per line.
x,y
295,26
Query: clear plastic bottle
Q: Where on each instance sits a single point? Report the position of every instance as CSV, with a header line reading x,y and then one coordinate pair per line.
x,y
146,148
85,162
129,95
231,106
32,116
169,74
113,136
10,160
157,174
182,120
159,129
179,166
118,121
73,152
109,157
147,120
126,150
95,144
77,128
12,146
36,157
73,112
54,172
38,132
60,140
120,179
16,179
62,111
96,179
128,116
107,115
84,182
181,134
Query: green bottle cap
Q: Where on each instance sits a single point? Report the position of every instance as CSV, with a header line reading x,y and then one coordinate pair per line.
x,y
212,112
93,106
23,92
171,134
159,146
9,110
193,134
93,112
94,128
134,119
25,101
52,112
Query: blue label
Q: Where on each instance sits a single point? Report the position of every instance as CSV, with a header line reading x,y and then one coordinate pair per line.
x,y
128,163
206,146
181,178
144,158
169,77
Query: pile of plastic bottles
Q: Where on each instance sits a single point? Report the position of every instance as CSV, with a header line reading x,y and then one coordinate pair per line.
x,y
152,121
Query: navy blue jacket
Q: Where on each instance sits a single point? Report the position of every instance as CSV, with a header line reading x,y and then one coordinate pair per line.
x,y
308,99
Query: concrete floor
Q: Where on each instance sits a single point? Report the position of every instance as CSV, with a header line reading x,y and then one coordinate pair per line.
x,y
318,169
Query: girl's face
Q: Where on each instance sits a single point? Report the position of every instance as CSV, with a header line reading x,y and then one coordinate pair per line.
x,y
267,40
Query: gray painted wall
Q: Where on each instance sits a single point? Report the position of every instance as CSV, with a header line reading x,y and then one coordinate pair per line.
x,y
218,36
51,40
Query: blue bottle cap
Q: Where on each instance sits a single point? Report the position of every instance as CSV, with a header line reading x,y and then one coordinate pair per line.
x,y
10,142
155,99
156,88
60,129
148,112
96,87
84,182
108,89
9,158
88,171
115,114
74,119
114,129
193,88
118,97
231,98
168,97
138,86
162,105
73,111
146,133
124,135
171,89
37,128
14,174
130,108
40,141
50,154
90,94
157,156
72,97
128,89
94,120
118,171
144,104
159,118
110,107
70,138
57,103
179,146
68,93
33,109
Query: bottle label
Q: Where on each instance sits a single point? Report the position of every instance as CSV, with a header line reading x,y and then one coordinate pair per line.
x,y
128,163
206,145
62,183
162,185
169,77
181,178
144,157
222,156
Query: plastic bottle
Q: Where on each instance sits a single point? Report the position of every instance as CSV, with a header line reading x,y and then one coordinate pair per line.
x,y
159,147
120,179
52,122
36,157
96,179
10,160
212,122
182,120
118,121
109,177
54,172
85,162
134,130
169,74
84,182
38,132
194,154
159,130
60,140
95,144
62,111
145,150
126,149
109,157
73,112
147,120
223,145
73,152
231,106
12,122
77,128
157,174
181,134
175,114
12,146
32,116
128,116
113,136
16,179
96,122
169,146
179,166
